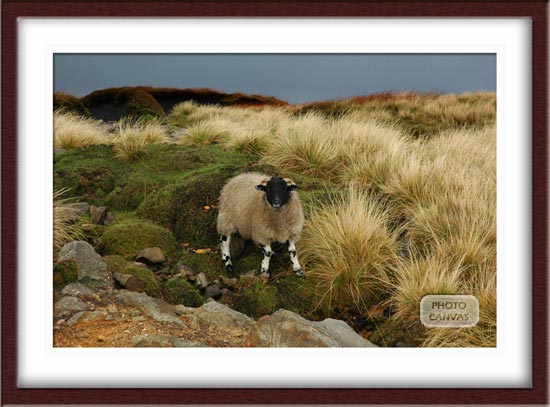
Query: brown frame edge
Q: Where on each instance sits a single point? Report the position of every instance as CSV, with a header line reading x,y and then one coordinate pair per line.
x,y
537,11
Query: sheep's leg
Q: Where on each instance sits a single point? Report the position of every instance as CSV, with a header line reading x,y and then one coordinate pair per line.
x,y
294,258
226,254
267,252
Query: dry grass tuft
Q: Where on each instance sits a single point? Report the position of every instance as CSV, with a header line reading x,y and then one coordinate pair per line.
x,y
348,251
133,137
64,217
73,131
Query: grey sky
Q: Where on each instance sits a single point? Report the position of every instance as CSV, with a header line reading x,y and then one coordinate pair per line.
x,y
296,78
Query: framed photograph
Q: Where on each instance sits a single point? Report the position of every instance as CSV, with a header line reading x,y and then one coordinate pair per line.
x,y
299,203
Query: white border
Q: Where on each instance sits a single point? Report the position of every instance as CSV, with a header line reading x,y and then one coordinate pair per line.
x,y
40,365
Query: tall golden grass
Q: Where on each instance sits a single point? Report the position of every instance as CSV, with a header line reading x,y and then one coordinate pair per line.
x,y
349,251
64,216
73,131
133,137
420,217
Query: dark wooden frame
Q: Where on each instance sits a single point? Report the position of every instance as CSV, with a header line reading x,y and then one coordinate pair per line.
x,y
535,10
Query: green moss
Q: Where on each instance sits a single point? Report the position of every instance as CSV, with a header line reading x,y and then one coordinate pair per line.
x,y
130,191
116,263
65,271
298,294
152,287
177,290
208,263
128,239
255,297
90,173
157,206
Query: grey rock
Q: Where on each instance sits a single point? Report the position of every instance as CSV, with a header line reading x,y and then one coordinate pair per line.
x,y
342,333
78,290
202,281
212,291
214,314
129,282
183,310
75,318
58,150
80,208
101,215
225,291
186,271
91,316
68,306
163,341
151,255
152,307
90,264
287,329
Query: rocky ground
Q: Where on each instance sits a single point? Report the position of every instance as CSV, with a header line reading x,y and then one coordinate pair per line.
x,y
96,310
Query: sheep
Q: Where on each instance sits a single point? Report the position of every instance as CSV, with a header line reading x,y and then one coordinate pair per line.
x,y
264,209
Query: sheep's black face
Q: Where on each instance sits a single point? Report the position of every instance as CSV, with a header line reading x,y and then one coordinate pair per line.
x,y
277,191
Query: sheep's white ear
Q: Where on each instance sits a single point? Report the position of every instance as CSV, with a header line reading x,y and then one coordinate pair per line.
x,y
291,186
262,186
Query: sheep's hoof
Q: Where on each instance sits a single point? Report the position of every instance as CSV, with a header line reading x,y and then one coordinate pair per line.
x,y
229,268
300,273
264,274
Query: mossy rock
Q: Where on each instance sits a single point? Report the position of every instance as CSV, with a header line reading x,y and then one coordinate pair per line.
x,y
116,263
255,296
178,290
147,277
148,282
130,191
89,173
157,206
128,239
65,271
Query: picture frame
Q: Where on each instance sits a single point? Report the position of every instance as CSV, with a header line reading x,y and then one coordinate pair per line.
x,y
536,11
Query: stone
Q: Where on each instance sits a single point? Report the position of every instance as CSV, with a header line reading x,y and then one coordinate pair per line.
x,y
186,271
79,290
80,208
90,264
91,316
183,310
342,333
163,341
212,291
151,255
68,306
75,318
101,215
129,282
214,314
202,281
152,307
287,329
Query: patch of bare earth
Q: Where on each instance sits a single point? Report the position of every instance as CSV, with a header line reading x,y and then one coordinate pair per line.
x,y
118,332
